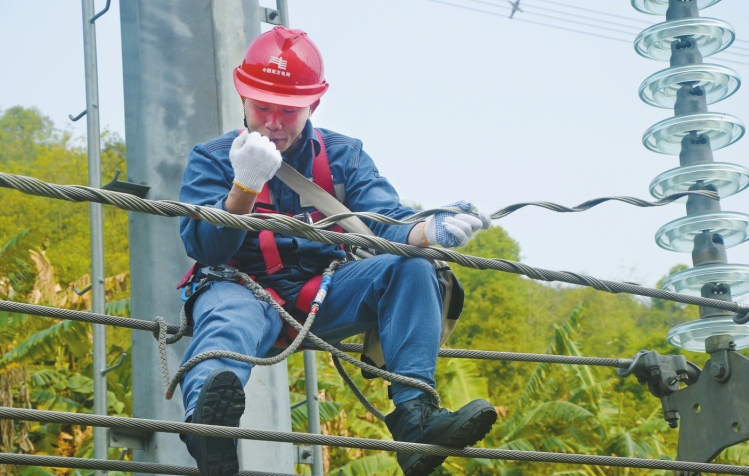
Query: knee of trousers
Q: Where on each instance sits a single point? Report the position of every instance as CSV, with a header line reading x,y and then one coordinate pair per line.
x,y
413,272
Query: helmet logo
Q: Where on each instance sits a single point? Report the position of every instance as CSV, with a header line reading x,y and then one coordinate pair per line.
x,y
279,61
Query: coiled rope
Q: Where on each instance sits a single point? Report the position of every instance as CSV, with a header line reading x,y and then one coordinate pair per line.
x,y
304,333
362,443
290,226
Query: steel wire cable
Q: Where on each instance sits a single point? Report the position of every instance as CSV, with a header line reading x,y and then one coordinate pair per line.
x,y
361,443
516,357
111,465
288,225
154,326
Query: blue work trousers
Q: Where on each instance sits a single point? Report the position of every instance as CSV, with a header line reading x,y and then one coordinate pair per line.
x,y
400,296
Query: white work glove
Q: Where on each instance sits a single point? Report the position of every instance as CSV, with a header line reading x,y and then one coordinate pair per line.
x,y
254,159
454,229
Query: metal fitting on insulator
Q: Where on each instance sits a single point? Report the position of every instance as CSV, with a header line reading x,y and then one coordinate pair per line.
x,y
700,204
695,149
690,100
708,249
684,51
719,291
679,9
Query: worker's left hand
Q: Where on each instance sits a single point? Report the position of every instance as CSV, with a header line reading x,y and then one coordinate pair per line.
x,y
452,230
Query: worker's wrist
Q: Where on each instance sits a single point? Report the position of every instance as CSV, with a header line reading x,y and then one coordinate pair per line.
x,y
246,189
416,236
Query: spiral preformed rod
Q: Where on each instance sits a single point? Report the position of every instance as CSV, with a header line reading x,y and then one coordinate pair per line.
x,y
290,226
362,443
79,193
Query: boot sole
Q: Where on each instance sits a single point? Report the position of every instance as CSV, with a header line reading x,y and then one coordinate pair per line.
x,y
221,402
462,433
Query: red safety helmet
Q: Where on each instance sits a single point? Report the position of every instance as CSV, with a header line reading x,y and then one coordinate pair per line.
x,y
282,67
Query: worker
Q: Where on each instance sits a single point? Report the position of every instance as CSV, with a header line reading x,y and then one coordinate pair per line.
x,y
281,82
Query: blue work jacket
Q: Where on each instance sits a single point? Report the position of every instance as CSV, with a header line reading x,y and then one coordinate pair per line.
x,y
209,176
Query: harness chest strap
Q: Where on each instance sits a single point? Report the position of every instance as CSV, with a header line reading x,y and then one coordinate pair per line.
x,y
322,176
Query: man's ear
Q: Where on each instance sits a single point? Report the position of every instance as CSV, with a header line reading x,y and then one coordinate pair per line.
x,y
313,106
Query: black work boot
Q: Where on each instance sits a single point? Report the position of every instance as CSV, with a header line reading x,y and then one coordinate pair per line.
x,y
221,402
421,421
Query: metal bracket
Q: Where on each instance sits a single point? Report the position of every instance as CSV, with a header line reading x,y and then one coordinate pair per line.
x,y
105,10
126,187
303,455
714,414
83,291
115,366
128,438
269,15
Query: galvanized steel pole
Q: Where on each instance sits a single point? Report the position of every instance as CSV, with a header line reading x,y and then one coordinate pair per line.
x,y
313,408
283,11
97,226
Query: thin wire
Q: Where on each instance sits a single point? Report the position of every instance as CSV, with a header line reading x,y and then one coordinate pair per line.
x,y
597,35
556,18
595,11
614,15
530,21
637,29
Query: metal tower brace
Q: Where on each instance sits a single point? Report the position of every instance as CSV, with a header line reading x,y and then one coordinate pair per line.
x,y
178,59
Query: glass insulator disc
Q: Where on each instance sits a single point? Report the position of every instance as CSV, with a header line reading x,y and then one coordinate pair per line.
x,y
690,281
728,179
692,335
659,7
665,136
679,235
718,82
712,36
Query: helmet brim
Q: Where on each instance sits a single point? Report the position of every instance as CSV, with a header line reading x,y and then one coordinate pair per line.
x,y
247,91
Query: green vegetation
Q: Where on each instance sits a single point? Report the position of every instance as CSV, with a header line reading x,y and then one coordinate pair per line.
x,y
47,364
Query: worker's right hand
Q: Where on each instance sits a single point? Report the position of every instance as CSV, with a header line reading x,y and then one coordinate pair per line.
x,y
255,160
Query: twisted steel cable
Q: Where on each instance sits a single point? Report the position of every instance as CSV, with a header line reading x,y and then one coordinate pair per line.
x,y
290,226
111,465
362,443
154,326
516,357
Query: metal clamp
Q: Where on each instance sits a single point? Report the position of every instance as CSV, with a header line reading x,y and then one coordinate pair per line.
x,y
117,185
219,273
662,373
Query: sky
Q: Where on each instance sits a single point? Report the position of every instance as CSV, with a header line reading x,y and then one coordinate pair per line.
x,y
453,103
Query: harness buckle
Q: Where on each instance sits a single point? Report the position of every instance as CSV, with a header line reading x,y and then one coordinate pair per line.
x,y
221,272
304,218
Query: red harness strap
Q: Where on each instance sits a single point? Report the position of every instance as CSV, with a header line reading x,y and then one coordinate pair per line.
x,y
303,303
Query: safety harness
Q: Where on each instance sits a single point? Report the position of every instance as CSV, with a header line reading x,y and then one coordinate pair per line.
x,y
199,275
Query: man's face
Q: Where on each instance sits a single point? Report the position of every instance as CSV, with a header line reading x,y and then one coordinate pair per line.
x,y
281,124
